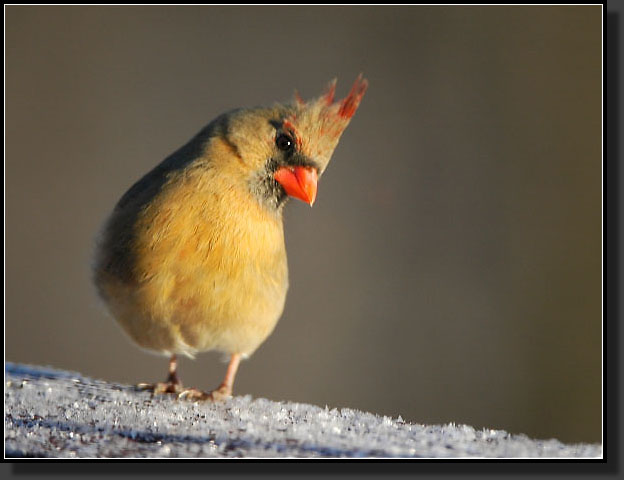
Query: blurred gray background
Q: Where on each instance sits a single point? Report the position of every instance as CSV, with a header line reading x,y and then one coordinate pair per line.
x,y
450,270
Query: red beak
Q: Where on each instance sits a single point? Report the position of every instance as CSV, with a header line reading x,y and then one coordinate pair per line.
x,y
299,182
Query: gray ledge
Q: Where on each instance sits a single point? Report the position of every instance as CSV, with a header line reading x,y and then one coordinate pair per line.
x,y
52,413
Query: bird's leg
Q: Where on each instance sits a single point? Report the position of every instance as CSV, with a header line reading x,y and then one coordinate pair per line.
x,y
172,378
172,385
225,389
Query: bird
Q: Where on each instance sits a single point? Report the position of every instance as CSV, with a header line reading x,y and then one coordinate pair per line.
x,y
193,258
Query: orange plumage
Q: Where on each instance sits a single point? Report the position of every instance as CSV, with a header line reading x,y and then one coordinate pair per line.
x,y
193,258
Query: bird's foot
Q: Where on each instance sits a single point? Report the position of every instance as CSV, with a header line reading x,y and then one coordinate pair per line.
x,y
162,387
193,394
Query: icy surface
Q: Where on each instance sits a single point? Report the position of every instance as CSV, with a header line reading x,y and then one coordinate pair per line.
x,y
51,413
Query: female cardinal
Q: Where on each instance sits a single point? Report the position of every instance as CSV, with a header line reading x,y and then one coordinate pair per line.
x,y
192,257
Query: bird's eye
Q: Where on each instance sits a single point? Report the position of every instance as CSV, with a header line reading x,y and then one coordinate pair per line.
x,y
284,142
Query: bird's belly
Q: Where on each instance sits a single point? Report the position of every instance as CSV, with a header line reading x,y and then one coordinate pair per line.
x,y
189,305
230,310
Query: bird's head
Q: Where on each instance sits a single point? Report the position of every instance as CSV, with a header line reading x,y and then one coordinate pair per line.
x,y
288,147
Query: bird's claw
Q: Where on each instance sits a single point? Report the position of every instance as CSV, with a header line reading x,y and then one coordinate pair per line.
x,y
161,387
193,394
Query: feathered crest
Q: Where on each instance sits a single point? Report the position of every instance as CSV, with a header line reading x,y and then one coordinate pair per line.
x,y
318,124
